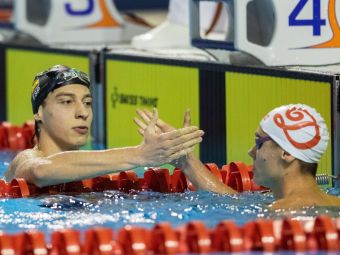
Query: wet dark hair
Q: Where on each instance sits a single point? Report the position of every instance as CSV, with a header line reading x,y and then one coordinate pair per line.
x,y
36,131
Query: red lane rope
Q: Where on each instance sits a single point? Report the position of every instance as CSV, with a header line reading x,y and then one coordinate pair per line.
x,y
158,180
194,237
16,138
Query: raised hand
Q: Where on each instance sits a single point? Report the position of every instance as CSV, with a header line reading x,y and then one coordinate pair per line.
x,y
192,167
161,126
187,118
145,115
161,147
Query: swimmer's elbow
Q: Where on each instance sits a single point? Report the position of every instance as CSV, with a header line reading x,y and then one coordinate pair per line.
x,y
38,176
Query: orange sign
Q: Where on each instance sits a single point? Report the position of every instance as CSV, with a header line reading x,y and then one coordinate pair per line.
x,y
335,41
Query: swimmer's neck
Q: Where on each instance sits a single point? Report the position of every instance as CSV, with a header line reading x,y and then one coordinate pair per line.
x,y
49,147
293,184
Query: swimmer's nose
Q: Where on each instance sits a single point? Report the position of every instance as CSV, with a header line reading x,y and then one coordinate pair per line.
x,y
82,111
252,152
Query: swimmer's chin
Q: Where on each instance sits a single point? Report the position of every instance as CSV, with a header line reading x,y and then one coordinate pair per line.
x,y
77,145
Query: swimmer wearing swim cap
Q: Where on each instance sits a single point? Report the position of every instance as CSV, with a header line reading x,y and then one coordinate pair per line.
x,y
299,130
62,107
288,146
51,79
289,143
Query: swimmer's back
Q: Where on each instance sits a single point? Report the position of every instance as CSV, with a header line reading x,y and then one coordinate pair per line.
x,y
306,200
334,201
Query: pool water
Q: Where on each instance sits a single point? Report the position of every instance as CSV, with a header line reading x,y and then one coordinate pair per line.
x,y
116,209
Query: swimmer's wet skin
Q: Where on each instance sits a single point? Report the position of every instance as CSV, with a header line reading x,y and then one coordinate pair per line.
x,y
285,160
62,107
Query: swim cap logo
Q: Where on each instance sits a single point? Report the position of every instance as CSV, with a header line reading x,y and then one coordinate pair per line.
x,y
35,89
298,115
35,84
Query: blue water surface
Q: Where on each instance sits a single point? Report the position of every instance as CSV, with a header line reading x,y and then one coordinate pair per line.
x,y
116,209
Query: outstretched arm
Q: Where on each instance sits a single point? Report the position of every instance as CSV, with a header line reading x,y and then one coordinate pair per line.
x,y
192,167
156,149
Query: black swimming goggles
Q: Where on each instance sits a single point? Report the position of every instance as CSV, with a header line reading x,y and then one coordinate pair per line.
x,y
61,76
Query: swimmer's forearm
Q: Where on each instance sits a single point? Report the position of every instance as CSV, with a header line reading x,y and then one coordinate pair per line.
x,y
79,165
202,178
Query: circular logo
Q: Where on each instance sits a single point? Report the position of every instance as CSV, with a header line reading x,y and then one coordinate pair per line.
x,y
298,116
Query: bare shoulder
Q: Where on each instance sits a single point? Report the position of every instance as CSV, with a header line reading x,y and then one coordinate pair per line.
x,y
19,160
296,202
26,154
286,203
333,200
307,200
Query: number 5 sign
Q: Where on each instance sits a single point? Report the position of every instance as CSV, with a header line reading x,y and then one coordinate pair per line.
x,y
306,32
80,12
106,19
85,22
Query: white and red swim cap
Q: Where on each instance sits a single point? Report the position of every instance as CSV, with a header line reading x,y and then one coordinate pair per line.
x,y
298,129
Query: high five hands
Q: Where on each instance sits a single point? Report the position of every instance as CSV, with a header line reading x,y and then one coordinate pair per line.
x,y
162,141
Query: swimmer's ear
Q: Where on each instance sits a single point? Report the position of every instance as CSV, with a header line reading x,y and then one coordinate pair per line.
x,y
287,157
37,116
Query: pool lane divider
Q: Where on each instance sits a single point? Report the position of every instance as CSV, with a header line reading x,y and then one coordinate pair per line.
x,y
15,138
266,235
236,175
